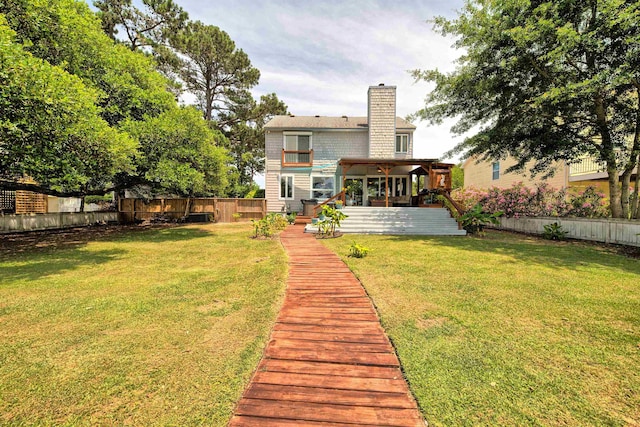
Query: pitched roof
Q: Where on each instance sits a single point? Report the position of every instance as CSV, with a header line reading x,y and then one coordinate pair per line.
x,y
323,122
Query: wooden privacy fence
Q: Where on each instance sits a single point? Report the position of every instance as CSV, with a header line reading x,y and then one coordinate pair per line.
x,y
223,210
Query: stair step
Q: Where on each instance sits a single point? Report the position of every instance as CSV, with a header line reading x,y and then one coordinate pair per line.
x,y
405,221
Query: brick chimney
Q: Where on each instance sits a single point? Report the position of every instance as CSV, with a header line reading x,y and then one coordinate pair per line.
x,y
382,121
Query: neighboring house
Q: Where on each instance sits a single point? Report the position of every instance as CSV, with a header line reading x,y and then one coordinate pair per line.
x,y
486,174
314,157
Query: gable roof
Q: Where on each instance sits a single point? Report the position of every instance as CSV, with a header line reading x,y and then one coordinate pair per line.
x,y
324,122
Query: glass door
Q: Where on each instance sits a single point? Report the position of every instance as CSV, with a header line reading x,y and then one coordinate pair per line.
x,y
354,191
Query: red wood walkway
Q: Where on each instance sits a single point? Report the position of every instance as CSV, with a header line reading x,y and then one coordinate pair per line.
x,y
329,362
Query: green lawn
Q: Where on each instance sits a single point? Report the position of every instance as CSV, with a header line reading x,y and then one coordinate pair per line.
x,y
509,330
158,327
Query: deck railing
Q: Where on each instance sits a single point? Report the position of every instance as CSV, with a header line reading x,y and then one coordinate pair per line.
x,y
297,158
586,165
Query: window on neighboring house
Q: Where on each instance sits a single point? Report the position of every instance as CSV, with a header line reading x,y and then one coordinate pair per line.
x,y
402,143
286,186
322,187
297,148
495,166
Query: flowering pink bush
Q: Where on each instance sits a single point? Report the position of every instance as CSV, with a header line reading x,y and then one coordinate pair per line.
x,y
542,200
468,197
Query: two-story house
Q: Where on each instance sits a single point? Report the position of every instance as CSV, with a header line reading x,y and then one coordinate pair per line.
x,y
314,157
586,172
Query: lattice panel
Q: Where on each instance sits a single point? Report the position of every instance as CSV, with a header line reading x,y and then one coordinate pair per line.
x,y
7,201
28,202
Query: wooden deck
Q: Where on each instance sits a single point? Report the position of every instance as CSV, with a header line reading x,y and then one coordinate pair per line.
x,y
329,362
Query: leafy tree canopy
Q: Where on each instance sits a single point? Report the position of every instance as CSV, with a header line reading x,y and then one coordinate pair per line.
x,y
81,114
246,137
67,33
546,81
150,27
213,68
50,126
180,154
457,177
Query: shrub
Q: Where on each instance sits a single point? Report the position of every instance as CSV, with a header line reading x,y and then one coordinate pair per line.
x,y
474,220
554,232
332,218
269,225
358,251
291,218
468,197
541,200
588,204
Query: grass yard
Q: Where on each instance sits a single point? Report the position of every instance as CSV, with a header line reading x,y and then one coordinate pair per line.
x,y
509,330
157,327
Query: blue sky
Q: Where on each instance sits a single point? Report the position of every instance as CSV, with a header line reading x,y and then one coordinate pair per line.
x,y
320,57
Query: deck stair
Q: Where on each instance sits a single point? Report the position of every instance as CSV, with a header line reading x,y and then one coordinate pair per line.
x,y
398,221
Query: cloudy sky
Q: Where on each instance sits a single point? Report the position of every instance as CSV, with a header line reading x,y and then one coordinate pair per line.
x,y
320,57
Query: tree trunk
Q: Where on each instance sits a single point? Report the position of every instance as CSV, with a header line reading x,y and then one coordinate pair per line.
x,y
625,196
608,154
635,205
614,191
186,209
82,204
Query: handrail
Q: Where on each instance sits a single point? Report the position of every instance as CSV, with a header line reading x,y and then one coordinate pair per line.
x,y
341,195
455,204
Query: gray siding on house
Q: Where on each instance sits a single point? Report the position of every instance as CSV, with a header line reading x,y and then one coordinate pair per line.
x,y
301,190
328,146
273,145
332,146
409,153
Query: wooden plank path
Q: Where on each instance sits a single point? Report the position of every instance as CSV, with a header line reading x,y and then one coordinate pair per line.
x,y
329,362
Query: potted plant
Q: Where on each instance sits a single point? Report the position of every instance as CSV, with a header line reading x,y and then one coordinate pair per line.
x,y
354,187
338,204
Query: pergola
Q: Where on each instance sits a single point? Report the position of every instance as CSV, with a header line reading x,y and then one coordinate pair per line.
x,y
439,173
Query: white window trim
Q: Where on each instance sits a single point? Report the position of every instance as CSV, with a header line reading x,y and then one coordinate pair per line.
x,y
285,133
293,186
493,171
395,143
333,190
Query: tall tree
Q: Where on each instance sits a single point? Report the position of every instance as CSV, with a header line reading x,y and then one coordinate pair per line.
x,y
245,135
51,129
214,69
67,34
78,112
180,154
546,81
151,27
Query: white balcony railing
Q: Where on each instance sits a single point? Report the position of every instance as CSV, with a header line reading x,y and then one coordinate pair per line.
x,y
586,166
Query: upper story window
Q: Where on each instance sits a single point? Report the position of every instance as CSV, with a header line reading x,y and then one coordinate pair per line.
x,y
495,168
297,148
402,143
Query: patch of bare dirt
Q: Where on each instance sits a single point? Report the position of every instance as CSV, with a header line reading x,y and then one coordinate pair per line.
x,y
66,238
